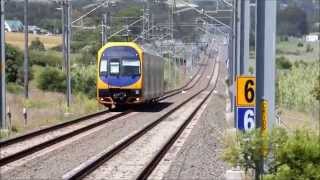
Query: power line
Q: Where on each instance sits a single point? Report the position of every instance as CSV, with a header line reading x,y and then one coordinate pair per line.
x,y
205,14
91,11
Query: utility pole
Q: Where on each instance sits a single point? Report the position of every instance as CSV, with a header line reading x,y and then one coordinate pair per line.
x,y
244,36
233,58
238,36
148,20
103,29
66,45
3,122
108,23
265,66
26,49
144,22
173,45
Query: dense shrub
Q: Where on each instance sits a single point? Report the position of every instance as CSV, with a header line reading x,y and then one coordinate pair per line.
x,y
316,89
14,62
289,156
283,63
57,48
300,44
251,70
77,45
86,56
47,58
84,80
284,38
309,48
37,45
52,79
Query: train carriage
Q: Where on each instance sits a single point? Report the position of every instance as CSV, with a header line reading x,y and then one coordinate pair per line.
x,y
128,74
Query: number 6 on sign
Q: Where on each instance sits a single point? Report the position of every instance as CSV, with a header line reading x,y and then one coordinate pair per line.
x,y
246,86
249,123
246,118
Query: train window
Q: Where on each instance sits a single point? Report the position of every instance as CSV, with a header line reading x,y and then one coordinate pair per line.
x,y
121,51
130,67
104,67
114,66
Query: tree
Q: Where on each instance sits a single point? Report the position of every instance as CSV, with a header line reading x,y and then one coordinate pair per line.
x,y
292,21
14,60
52,79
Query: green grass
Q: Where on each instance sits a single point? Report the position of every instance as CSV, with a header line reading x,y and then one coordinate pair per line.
x,y
294,86
171,79
290,50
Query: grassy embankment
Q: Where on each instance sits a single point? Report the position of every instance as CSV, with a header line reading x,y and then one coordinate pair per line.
x,y
295,100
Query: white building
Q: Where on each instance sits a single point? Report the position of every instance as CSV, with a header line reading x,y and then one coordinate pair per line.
x,y
312,37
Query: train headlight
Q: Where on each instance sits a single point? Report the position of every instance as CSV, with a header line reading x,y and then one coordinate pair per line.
x,y
137,92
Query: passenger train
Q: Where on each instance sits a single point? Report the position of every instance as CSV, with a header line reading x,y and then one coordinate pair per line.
x,y
128,74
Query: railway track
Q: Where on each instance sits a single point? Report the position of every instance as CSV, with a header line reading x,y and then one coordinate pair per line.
x,y
194,79
159,156
19,147
88,167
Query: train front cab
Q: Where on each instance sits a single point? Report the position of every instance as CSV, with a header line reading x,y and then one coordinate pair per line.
x,y
120,74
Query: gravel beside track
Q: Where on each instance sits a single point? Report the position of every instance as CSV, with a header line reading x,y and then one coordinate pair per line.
x,y
200,156
14,148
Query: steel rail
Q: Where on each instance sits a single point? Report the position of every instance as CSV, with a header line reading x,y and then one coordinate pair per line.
x,y
184,88
83,171
156,160
13,157
35,133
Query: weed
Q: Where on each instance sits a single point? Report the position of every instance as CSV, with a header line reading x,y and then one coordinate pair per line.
x,y
14,88
300,44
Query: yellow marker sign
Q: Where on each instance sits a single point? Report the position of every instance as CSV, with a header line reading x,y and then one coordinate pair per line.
x,y
246,88
264,125
264,116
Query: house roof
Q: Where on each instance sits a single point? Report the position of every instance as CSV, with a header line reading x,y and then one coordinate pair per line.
x,y
15,25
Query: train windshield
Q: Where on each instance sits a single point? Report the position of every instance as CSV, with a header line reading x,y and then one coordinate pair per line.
x,y
130,67
120,60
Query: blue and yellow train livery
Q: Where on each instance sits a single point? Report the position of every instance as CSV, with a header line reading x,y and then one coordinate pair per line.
x,y
128,74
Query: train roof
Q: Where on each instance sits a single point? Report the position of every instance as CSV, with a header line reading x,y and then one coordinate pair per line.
x,y
146,48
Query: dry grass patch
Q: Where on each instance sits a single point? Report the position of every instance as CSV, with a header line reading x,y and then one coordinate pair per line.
x,y
17,39
296,120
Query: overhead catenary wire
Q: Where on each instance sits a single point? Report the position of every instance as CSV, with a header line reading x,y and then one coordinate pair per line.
x,y
201,12
123,29
91,11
